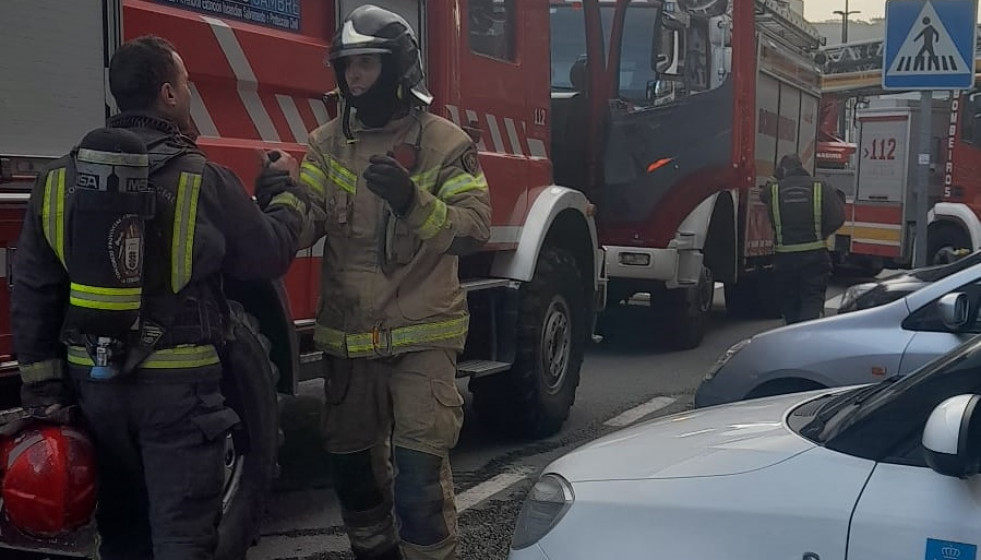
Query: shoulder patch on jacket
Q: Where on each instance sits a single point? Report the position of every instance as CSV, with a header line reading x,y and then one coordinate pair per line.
x,y
470,162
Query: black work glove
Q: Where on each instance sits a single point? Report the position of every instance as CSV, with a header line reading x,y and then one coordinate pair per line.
x,y
391,182
271,182
50,401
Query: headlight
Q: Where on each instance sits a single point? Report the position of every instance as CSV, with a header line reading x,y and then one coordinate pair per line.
x,y
547,502
725,357
852,294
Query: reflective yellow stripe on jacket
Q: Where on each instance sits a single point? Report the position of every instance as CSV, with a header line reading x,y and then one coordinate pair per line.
x,y
313,177
384,343
42,371
182,242
426,180
53,212
461,183
109,299
344,178
180,357
778,224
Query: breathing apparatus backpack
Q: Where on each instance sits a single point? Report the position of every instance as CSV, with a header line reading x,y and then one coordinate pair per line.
x,y
107,208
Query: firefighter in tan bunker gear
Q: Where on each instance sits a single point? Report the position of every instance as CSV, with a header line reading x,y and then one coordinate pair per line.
x,y
399,196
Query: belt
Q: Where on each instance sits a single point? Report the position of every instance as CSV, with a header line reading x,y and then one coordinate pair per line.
x,y
385,342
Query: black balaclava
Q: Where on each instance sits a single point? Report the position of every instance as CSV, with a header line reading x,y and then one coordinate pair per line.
x,y
380,102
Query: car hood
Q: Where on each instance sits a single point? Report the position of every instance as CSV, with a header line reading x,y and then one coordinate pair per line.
x,y
715,441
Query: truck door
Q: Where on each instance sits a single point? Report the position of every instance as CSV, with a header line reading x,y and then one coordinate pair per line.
x,y
669,141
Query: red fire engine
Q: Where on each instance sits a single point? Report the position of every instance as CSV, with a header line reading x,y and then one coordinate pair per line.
x,y
879,230
703,98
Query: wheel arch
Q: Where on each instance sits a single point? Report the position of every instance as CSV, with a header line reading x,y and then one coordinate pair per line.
x,y
797,382
721,239
958,215
560,217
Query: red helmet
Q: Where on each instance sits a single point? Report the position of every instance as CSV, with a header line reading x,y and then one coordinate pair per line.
x,y
49,480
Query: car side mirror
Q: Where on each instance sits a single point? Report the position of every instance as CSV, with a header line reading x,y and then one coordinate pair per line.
x,y
954,310
951,437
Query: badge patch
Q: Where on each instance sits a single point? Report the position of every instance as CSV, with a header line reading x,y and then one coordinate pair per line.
x,y
126,249
947,550
470,163
151,334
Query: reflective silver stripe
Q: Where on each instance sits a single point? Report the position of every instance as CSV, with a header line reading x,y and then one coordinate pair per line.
x,y
109,299
180,357
182,247
109,158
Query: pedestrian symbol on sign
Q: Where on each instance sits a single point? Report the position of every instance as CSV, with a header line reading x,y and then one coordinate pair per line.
x,y
928,48
929,35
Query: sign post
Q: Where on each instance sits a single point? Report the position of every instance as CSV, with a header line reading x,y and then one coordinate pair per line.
x,y
929,46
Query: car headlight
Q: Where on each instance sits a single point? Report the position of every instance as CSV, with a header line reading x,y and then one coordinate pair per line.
x,y
852,294
725,357
547,502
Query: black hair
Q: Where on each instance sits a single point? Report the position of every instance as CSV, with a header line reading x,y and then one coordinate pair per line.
x,y
138,69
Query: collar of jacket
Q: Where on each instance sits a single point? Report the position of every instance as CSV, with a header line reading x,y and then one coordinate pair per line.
x,y
398,124
135,119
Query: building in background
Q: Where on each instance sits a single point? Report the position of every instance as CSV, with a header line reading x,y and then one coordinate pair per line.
x,y
858,30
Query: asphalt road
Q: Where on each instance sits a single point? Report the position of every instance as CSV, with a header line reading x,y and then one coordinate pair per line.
x,y
626,378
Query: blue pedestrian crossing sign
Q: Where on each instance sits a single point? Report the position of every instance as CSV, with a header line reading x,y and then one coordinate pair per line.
x,y
929,44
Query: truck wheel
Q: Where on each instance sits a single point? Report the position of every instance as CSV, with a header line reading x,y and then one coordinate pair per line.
x,y
251,452
533,398
944,242
690,312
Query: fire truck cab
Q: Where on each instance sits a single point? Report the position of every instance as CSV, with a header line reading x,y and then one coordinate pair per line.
x,y
699,101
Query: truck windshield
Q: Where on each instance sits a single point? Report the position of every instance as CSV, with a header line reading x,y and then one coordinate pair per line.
x,y
690,70
568,36
568,31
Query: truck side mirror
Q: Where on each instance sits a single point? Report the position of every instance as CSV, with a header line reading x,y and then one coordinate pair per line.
x,y
951,438
666,52
954,310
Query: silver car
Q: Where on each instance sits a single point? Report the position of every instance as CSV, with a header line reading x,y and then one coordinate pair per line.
x,y
863,346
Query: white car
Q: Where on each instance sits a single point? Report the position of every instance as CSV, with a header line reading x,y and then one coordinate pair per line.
x,y
873,472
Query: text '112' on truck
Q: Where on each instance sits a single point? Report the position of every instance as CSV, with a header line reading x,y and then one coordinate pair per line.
x,y
624,143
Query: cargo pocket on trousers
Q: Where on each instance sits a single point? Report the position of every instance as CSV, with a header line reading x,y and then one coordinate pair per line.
x,y
215,419
448,412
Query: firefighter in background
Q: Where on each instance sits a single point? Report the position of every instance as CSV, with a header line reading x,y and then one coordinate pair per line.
x,y
95,251
399,196
804,212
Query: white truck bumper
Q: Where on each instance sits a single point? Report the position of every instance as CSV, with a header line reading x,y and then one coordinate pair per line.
x,y
676,268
